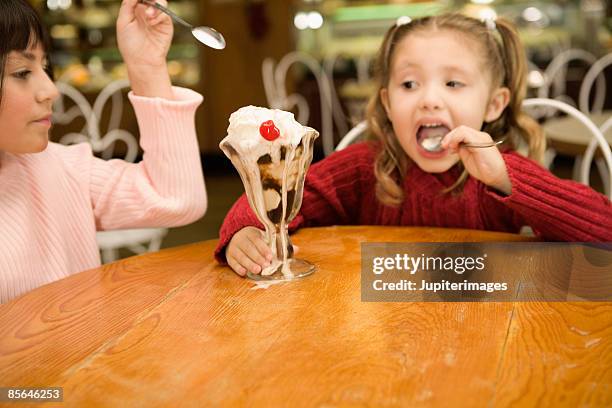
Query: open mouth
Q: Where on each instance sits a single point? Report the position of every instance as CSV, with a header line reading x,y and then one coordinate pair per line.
x,y
430,136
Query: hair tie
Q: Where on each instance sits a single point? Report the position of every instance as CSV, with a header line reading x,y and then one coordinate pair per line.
x,y
489,22
402,20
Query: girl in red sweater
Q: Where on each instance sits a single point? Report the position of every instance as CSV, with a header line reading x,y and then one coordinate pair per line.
x,y
455,79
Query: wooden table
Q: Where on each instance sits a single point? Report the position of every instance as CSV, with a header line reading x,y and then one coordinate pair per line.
x,y
174,327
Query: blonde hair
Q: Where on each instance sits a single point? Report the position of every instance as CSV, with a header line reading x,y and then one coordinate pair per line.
x,y
505,59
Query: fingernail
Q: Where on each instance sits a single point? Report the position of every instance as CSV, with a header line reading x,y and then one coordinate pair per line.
x,y
150,12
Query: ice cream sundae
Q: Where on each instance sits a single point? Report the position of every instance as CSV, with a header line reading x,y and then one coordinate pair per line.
x,y
272,152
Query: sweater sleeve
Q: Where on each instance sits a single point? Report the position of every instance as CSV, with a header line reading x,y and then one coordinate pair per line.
x,y
556,209
332,191
167,187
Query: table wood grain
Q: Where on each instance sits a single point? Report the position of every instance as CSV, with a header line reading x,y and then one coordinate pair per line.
x,y
175,328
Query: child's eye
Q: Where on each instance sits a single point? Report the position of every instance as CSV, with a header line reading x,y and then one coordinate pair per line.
x,y
22,74
409,84
454,84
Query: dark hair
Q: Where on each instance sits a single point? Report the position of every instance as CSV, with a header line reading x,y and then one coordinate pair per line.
x,y
20,28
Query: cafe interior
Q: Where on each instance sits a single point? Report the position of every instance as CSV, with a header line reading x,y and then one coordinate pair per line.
x,y
314,58
174,327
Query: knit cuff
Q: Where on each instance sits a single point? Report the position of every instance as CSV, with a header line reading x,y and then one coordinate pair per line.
x,y
167,126
184,98
237,218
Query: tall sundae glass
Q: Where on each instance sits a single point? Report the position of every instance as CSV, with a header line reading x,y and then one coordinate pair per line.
x,y
272,152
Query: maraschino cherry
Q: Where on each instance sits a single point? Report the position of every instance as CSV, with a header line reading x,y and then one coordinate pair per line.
x,y
268,130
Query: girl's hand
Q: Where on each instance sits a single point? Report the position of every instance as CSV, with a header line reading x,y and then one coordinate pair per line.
x,y
485,164
144,35
247,251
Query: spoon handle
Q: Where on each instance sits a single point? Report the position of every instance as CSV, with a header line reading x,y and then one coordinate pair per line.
x,y
167,11
482,145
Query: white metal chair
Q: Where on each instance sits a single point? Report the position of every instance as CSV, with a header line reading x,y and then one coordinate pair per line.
x,y
586,88
109,242
597,138
555,76
595,73
274,80
352,135
362,65
338,115
587,158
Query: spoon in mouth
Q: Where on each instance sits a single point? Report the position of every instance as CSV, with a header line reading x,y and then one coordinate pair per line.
x,y
206,35
434,144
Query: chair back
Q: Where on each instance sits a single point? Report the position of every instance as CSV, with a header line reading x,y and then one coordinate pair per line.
x,y
353,135
72,104
555,76
274,80
597,137
594,73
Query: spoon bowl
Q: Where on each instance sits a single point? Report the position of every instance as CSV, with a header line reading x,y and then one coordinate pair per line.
x,y
209,36
434,145
206,35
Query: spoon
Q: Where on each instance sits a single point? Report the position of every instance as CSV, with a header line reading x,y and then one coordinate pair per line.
x,y
434,144
206,35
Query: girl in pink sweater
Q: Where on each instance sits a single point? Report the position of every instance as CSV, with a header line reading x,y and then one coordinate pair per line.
x,y
53,198
450,78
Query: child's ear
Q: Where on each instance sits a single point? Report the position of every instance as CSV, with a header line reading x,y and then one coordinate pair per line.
x,y
498,102
384,98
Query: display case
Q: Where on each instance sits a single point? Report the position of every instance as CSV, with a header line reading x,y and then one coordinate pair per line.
x,y
355,28
84,46
345,35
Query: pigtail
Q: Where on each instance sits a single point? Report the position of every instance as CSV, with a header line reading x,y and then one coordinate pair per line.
x,y
515,123
390,162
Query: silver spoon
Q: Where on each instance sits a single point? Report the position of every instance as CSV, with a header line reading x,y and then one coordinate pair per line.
x,y
434,144
206,35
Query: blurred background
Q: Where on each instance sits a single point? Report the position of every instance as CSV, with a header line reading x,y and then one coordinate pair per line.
x,y
312,57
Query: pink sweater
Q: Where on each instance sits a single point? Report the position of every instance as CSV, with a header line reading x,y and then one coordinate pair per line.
x,y
52,203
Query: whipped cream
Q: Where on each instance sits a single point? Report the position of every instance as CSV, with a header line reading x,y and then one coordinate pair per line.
x,y
243,131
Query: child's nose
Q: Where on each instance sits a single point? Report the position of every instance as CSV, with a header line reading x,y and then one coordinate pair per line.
x,y
47,91
430,98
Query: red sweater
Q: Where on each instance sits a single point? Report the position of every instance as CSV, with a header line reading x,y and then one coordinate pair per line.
x,y
340,190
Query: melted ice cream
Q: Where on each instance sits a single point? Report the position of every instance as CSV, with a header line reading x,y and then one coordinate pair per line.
x,y
272,172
